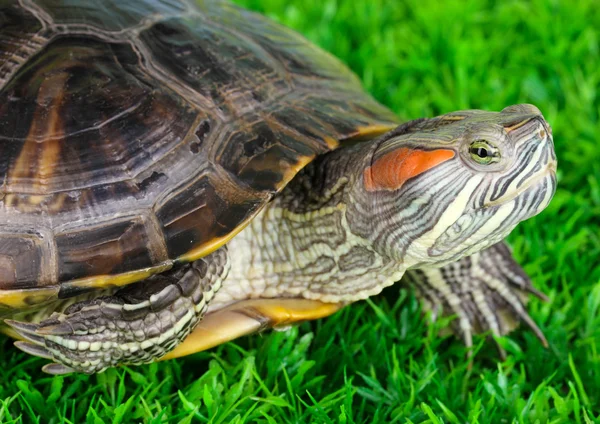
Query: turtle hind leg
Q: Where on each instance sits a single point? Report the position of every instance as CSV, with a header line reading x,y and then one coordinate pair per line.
x,y
137,324
486,291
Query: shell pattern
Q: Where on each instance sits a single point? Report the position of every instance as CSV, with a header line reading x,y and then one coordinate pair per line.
x,y
137,134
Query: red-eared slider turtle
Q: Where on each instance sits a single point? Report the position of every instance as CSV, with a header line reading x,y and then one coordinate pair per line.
x,y
162,161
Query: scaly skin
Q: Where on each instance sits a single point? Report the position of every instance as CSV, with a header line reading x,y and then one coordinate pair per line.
x,y
134,325
326,237
423,196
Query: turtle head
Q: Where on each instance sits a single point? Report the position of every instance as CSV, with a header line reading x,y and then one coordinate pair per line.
x,y
442,188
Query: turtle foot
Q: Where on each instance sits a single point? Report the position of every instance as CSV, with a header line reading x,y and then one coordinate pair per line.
x,y
139,324
486,291
107,332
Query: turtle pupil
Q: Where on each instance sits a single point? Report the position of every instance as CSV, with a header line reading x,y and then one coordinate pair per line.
x,y
481,152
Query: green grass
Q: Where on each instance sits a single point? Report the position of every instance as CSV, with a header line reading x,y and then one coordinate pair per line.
x,y
377,361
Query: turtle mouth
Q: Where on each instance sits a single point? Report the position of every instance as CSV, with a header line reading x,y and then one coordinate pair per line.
x,y
548,171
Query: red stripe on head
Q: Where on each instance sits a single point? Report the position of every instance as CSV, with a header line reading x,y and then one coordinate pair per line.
x,y
393,169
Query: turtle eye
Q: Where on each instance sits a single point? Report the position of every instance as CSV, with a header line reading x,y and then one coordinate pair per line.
x,y
483,152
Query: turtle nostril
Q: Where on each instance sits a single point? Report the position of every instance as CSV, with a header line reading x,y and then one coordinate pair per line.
x,y
542,134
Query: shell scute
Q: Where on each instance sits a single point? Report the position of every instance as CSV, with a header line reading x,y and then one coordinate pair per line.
x,y
223,71
108,248
25,257
206,208
20,36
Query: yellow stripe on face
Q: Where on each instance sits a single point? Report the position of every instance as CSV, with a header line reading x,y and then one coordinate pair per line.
x,y
517,125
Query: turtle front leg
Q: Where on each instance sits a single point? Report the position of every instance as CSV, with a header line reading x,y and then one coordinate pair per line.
x,y
136,325
486,291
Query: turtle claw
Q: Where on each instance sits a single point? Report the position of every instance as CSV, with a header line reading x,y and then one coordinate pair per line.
x,y
22,327
62,329
35,344
34,349
501,351
535,292
487,292
524,316
27,331
57,369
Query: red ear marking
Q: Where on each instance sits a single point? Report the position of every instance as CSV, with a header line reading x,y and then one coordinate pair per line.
x,y
392,170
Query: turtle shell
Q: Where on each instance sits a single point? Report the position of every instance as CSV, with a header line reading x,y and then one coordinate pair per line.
x,y
135,135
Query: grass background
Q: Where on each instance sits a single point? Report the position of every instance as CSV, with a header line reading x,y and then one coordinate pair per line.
x,y
377,361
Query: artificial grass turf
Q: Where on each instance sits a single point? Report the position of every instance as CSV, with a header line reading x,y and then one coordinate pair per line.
x,y
377,361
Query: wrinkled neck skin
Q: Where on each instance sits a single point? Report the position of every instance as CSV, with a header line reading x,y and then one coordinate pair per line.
x,y
327,238
422,195
303,243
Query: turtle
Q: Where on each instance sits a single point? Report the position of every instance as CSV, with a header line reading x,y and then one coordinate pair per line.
x,y
176,174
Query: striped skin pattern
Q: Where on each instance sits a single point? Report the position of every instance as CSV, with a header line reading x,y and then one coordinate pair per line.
x,y
486,291
136,325
330,236
335,236
460,206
